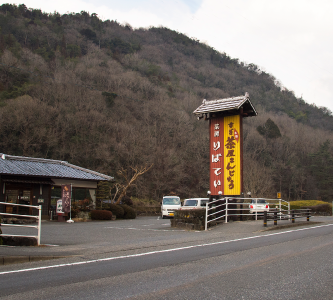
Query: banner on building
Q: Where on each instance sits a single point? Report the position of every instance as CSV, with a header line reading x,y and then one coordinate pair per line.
x,y
66,198
225,155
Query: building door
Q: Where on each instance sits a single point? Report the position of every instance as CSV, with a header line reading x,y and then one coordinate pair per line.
x,y
11,197
25,197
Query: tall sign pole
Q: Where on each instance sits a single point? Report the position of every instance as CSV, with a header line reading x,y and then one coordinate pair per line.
x,y
70,207
226,142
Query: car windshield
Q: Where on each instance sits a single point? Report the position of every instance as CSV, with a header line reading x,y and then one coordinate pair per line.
x,y
171,201
191,202
203,202
259,201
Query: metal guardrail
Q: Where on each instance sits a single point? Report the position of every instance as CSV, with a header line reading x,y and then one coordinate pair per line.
x,y
228,209
39,218
274,215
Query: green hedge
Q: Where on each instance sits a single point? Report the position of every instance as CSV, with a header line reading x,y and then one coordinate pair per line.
x,y
316,206
116,210
187,214
129,212
189,219
101,215
321,209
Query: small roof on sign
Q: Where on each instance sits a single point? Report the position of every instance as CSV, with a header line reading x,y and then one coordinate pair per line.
x,y
228,104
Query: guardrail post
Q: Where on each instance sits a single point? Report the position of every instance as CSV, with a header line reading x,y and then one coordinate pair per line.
x,y
280,207
39,223
293,216
265,218
288,208
308,215
241,212
206,216
226,210
275,217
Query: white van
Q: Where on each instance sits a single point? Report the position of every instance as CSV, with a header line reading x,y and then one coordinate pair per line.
x,y
169,205
195,203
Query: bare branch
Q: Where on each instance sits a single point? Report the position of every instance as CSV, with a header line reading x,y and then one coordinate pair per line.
x,y
138,171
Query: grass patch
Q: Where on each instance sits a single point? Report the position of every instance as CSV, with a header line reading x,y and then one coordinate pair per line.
x,y
144,202
306,203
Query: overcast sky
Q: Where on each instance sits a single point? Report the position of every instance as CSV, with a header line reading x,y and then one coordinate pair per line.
x,y
290,39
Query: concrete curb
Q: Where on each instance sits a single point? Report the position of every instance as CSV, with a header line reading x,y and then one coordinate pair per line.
x,y
8,260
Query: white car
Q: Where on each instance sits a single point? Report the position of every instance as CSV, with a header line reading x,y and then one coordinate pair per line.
x,y
258,206
195,203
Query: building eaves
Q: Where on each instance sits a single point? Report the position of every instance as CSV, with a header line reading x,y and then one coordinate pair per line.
x,y
29,166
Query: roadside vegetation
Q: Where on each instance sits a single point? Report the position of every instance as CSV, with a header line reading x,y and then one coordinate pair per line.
x,y
317,207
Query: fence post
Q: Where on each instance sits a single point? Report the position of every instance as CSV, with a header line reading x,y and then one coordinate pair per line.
x,y
39,223
265,218
293,216
275,217
308,215
206,217
288,208
226,210
241,211
280,207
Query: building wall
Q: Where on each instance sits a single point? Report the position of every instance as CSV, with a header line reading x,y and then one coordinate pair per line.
x,y
42,192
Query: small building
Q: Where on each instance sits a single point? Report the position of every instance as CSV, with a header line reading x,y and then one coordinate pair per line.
x,y
38,181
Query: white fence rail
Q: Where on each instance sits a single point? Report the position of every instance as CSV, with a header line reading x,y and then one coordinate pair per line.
x,y
215,210
38,218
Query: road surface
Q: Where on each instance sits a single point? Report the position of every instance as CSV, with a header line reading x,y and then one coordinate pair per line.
x,y
291,264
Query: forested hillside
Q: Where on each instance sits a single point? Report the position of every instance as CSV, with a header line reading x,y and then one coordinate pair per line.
x,y
104,96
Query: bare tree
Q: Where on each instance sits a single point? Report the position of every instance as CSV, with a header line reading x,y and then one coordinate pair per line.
x,y
138,171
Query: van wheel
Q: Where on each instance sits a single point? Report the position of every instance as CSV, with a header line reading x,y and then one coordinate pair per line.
x,y
163,217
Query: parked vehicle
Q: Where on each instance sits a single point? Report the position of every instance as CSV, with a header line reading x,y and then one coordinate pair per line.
x,y
258,206
169,205
195,203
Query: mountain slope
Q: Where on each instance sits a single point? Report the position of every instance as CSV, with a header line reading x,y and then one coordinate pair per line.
x,y
105,96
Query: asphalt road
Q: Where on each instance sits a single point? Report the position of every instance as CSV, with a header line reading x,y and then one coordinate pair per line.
x,y
233,262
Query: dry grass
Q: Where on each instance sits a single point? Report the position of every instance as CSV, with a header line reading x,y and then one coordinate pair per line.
x,y
303,203
144,202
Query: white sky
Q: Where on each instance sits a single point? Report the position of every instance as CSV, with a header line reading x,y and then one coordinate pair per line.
x,y
290,39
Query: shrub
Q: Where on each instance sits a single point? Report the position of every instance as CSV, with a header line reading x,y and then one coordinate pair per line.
x,y
305,203
101,215
321,209
194,216
145,202
129,212
80,206
116,210
189,219
127,200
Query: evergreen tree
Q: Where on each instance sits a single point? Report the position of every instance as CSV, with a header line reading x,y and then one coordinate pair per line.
x,y
102,193
269,130
322,170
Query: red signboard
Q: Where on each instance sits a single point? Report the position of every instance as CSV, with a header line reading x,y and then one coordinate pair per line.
x,y
225,155
66,198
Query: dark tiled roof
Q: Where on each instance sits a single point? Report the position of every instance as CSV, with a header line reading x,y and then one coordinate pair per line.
x,y
227,104
28,166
